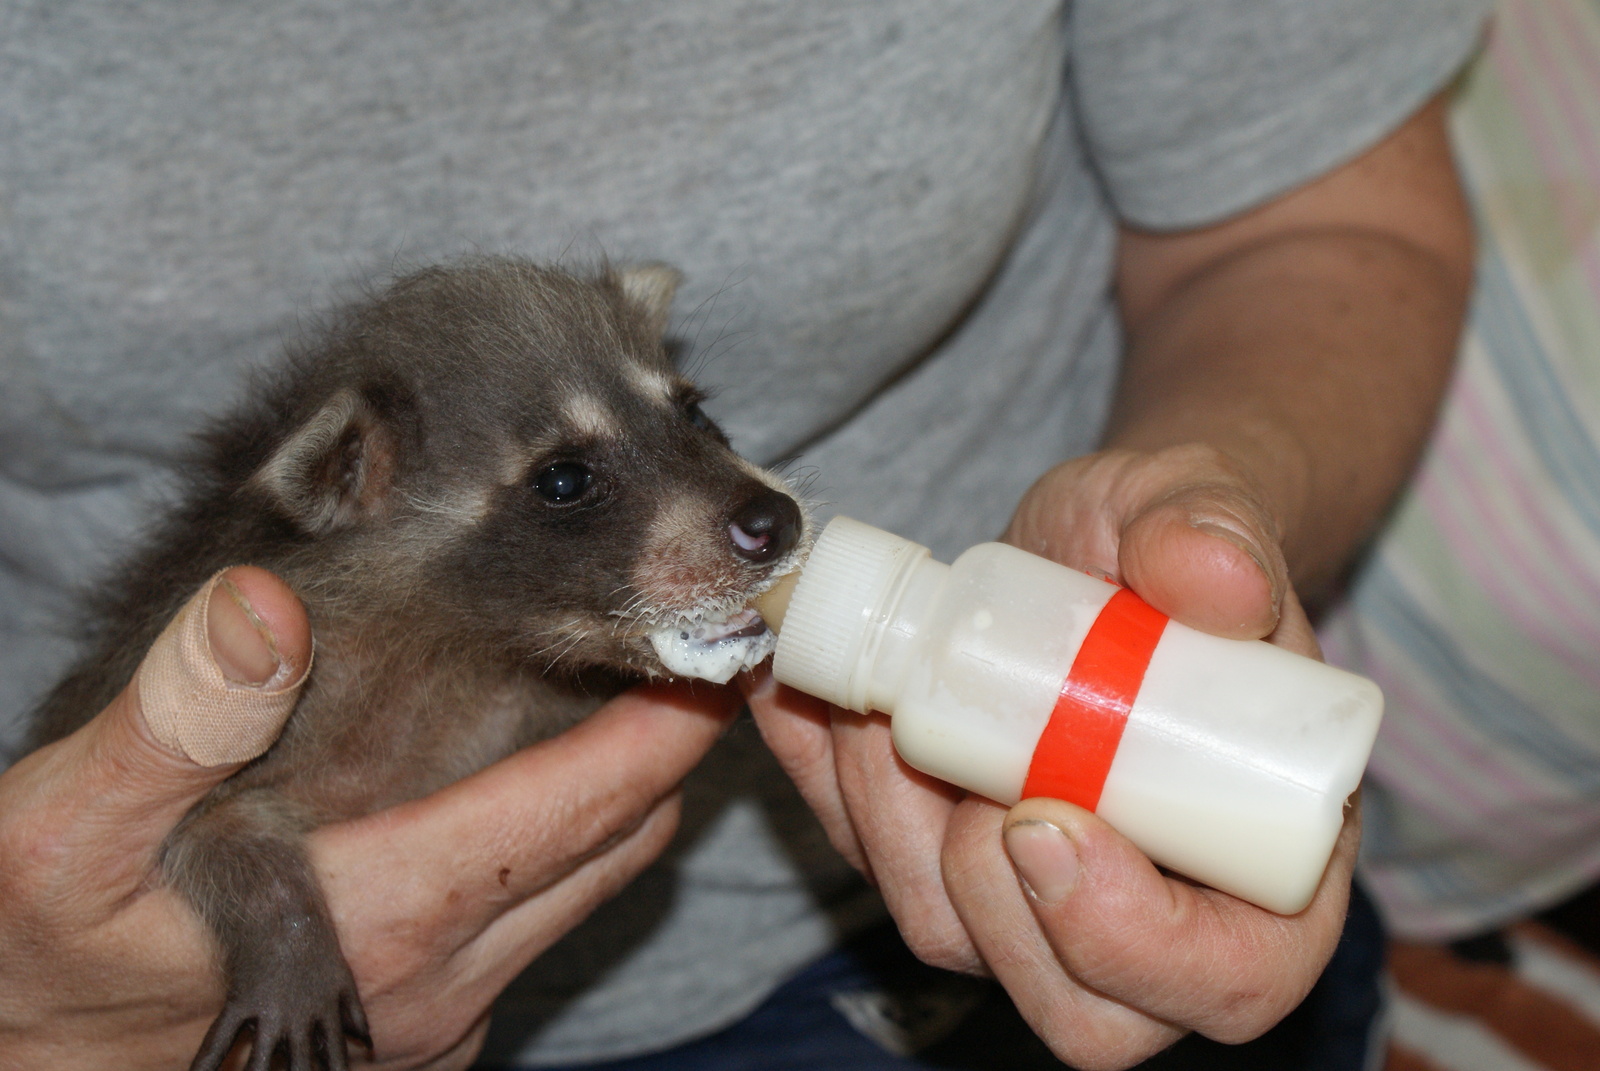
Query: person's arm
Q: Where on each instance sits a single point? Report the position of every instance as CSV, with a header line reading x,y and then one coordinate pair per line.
x,y
1306,344
439,902
1283,368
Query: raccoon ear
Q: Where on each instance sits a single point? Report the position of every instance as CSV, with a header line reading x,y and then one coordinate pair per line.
x,y
649,289
335,468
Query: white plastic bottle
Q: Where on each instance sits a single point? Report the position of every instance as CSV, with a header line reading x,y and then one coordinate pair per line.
x,y
1229,761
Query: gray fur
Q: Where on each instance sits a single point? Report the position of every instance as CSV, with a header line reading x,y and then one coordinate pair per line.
x,y
390,473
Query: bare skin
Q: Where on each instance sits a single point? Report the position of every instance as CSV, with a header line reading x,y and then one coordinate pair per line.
x,y
438,903
1282,371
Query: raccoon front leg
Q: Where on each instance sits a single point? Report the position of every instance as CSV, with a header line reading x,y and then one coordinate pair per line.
x,y
240,863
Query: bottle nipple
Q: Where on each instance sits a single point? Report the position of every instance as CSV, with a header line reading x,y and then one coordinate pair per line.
x,y
773,603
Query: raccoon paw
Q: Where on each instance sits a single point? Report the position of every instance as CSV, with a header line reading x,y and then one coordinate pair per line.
x,y
303,1016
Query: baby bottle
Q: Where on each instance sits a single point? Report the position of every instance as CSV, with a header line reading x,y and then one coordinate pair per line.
x,y
1229,761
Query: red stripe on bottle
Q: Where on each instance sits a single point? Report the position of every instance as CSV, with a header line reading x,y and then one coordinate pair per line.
x,y
1075,750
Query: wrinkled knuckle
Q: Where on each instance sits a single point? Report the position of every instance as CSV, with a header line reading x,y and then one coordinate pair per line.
x,y
33,856
568,822
592,832
1244,1013
1193,470
1242,1018
1203,459
1138,953
1111,962
944,947
1013,950
965,867
806,756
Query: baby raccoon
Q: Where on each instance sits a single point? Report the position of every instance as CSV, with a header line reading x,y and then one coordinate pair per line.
x,y
498,501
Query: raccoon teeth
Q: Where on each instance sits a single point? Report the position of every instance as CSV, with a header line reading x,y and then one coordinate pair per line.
x,y
714,649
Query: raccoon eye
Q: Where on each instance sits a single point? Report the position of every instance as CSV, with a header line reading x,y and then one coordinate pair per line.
x,y
700,421
697,416
563,482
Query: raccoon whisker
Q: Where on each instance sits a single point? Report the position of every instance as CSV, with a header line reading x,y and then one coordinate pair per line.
x,y
558,638
727,341
619,622
572,645
800,478
631,601
660,616
568,637
700,316
631,607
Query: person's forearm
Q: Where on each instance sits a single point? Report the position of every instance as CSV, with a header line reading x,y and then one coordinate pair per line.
x,y
1315,362
1309,339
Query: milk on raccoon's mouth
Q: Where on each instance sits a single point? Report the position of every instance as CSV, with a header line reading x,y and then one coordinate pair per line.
x,y
714,648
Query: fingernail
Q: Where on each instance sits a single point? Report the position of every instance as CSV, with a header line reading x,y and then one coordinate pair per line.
x,y
212,687
1223,532
1044,857
241,644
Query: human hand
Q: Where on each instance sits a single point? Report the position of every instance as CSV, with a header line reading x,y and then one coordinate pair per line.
x,y
1107,958
439,902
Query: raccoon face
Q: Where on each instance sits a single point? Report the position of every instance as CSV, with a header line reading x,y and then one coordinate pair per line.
x,y
509,451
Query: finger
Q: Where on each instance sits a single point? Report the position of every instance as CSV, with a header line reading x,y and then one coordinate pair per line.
x,y
1294,631
1084,1027
489,962
887,819
1072,514
463,978
901,816
480,846
1176,951
462,1054
1206,556
414,1054
212,692
798,730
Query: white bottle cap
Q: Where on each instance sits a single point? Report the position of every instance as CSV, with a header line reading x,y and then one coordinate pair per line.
x,y
847,587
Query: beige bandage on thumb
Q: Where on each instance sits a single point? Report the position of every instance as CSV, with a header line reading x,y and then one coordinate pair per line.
x,y
193,708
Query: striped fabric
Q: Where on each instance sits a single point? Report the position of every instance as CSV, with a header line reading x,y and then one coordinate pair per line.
x,y
1479,612
1539,1010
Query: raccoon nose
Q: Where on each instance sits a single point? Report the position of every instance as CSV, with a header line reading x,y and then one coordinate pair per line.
x,y
766,527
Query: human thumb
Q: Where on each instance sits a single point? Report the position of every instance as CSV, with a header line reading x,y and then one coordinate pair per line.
x,y
1206,555
217,684
213,692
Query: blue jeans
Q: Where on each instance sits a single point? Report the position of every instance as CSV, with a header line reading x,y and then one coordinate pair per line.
x,y
806,1024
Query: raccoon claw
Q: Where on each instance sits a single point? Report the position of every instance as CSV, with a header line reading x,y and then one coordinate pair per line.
x,y
219,1040
307,1027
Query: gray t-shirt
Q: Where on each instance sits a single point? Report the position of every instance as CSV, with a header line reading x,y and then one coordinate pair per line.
x,y
896,218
